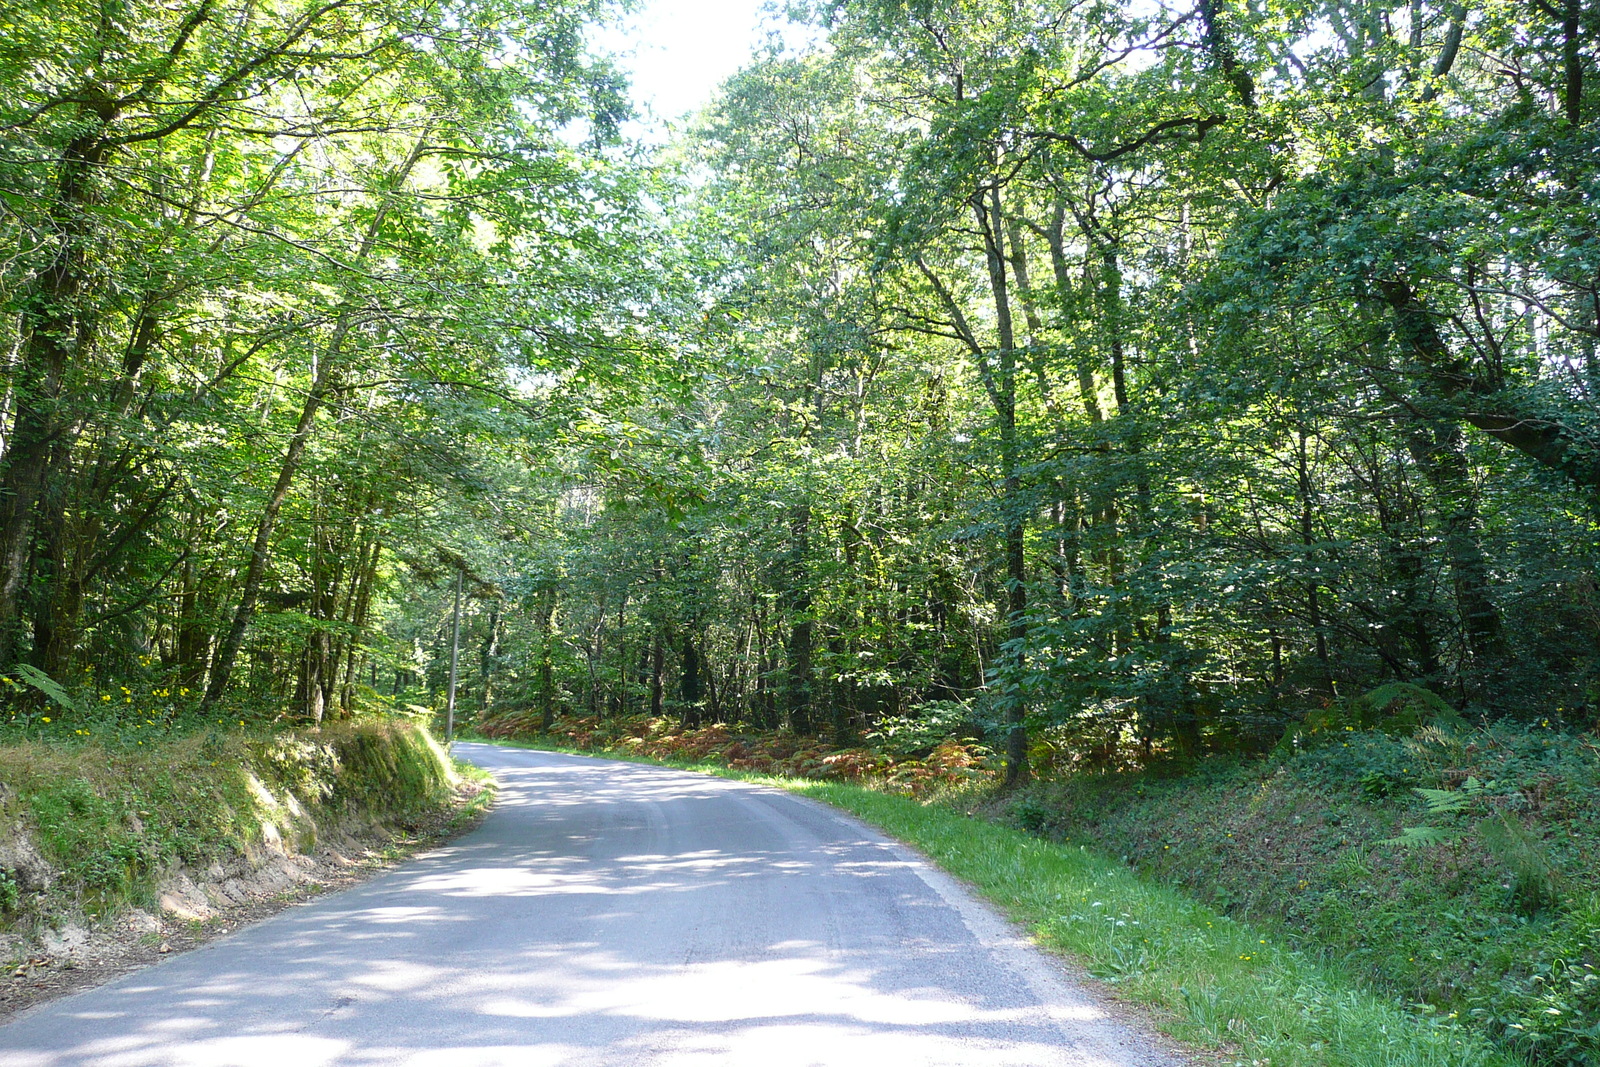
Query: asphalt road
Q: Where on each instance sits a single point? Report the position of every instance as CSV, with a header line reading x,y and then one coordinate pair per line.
x,y
608,914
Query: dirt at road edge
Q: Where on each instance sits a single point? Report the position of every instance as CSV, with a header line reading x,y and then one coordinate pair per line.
x,y
197,907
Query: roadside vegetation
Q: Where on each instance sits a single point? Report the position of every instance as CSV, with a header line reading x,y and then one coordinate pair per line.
x,y
94,821
1187,414
1433,870
1216,982
1453,868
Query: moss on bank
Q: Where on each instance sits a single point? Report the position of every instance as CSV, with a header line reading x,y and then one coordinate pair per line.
x,y
89,827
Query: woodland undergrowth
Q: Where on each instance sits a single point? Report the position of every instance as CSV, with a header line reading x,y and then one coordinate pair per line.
x,y
911,764
1455,868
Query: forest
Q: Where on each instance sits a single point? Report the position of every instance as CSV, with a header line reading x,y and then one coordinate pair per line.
x,y
1122,382
1104,386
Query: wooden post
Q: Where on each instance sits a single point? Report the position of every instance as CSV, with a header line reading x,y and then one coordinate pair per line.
x,y
455,656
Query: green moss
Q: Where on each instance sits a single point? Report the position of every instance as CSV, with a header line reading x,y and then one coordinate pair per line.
x,y
395,771
113,820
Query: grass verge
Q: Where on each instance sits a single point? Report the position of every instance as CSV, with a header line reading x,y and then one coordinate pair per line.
x,y
89,827
1214,982
485,789
1452,867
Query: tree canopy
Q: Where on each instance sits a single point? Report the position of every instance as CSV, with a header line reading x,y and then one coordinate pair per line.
x,y
1123,382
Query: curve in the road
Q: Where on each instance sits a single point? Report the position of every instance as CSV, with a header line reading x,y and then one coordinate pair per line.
x,y
609,914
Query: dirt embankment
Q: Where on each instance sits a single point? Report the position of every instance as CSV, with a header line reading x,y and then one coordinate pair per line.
x,y
108,864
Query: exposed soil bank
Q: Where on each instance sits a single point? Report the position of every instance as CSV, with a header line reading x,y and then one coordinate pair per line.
x,y
111,859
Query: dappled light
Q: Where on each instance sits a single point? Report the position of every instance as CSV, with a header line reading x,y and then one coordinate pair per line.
x,y
606,914
978,404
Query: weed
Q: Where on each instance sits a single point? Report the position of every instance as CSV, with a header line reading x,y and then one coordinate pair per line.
x,y
918,764
1475,916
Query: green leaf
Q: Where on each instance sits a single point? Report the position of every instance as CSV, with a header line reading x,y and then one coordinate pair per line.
x,y
1423,836
1444,801
47,685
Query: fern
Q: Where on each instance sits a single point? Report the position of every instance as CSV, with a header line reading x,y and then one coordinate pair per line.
x,y
1408,694
47,685
1450,801
1423,837
1440,802
1537,883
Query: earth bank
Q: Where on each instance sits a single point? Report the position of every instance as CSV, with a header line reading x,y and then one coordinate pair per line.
x,y
112,855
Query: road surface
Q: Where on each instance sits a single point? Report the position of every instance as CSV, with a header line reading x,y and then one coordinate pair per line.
x,y
608,915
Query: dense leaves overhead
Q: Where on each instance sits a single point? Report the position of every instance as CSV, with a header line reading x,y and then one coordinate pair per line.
x,y
280,278
1130,381
1121,382
1102,383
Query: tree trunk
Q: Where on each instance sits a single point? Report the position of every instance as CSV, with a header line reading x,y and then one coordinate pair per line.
x,y
1480,399
690,688
545,621
713,692
798,683
1308,541
192,641
55,329
1438,449
658,667
1003,393
486,657
368,578
326,380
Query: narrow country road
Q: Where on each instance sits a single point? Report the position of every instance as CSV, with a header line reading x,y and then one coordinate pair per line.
x,y
608,914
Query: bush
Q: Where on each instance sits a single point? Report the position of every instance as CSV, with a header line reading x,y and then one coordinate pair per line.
x,y
1550,1011
924,758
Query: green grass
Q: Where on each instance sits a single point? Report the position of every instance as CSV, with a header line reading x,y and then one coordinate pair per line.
x,y
1214,982
112,819
486,789
1497,921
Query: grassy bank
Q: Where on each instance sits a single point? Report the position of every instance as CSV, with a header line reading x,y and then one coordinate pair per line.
x,y
90,824
1217,981
1213,981
1454,868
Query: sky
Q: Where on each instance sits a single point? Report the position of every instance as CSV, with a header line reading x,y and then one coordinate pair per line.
x,y
678,51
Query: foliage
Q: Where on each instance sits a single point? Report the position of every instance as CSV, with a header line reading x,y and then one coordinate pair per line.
x,y
112,819
1116,373
944,763
1120,388
1549,1008
1152,380
1486,917
925,727
272,275
41,681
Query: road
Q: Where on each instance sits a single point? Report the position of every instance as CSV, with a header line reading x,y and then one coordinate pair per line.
x,y
608,914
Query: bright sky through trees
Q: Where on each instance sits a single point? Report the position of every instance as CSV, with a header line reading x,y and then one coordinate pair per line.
x,y
677,51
